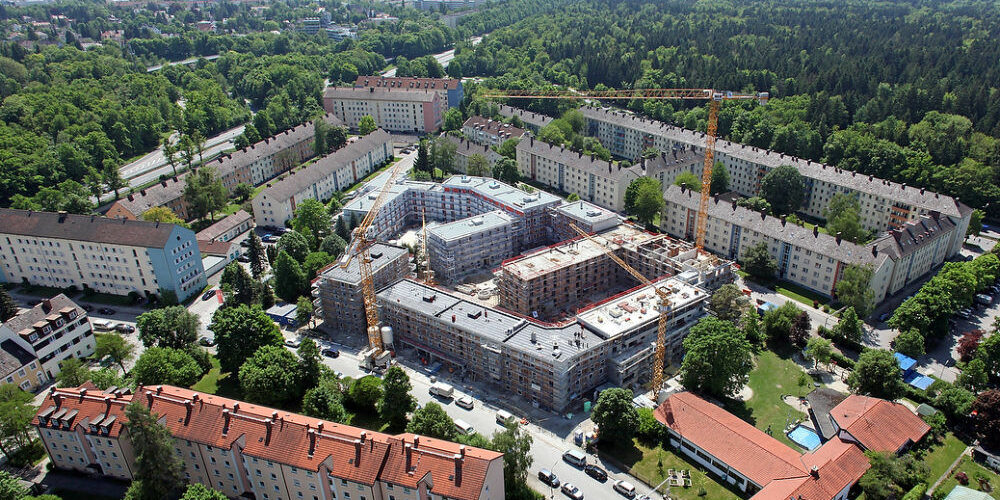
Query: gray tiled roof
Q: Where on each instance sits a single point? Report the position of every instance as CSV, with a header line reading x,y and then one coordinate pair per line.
x,y
90,228
580,161
468,148
529,117
493,127
12,357
213,231
380,94
381,255
296,182
827,173
773,227
914,235
680,157
156,195
230,162
29,317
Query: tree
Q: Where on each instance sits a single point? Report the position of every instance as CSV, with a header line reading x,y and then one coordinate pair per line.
x,y
295,244
172,326
648,201
396,401
478,166
423,162
163,215
242,192
516,448
989,352
843,216
271,376
164,365
632,191
780,321
752,328
573,197
289,280
986,411
116,347
240,331
784,189
910,343
16,414
955,403
718,358
198,491
303,311
615,415
113,177
801,326
820,350
324,401
10,487
313,215
333,246
255,252
975,223
158,471
238,287
758,262
314,262
442,154
365,393
432,421
729,302
506,171
204,193
968,345
755,203
973,376
8,308
508,148
310,366
688,180
453,119
877,374
72,373
891,476
106,377
854,290
849,326
366,125
720,178
340,227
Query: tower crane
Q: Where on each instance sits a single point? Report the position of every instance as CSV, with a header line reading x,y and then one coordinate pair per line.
x,y
714,97
362,239
665,308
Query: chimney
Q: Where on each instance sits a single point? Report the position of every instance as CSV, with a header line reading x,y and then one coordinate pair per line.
x,y
187,413
874,251
163,183
267,438
130,197
409,457
236,407
416,441
312,442
459,458
838,237
149,398
142,192
814,472
357,453
815,231
107,405
763,215
452,318
46,305
783,220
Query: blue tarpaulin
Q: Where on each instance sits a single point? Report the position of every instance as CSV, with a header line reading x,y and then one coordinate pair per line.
x,y
917,380
906,363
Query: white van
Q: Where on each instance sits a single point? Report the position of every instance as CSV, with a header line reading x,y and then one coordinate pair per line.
x,y
464,427
442,390
575,457
503,417
625,488
102,325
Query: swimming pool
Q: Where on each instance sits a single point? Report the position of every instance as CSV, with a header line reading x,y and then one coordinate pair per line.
x,y
804,437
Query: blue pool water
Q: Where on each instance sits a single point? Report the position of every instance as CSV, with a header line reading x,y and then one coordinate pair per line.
x,y
804,437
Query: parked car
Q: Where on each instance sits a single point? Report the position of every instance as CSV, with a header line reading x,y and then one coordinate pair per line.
x,y
245,243
884,316
124,328
596,472
87,307
244,258
571,491
465,402
546,476
625,488
331,353
208,295
207,342
293,343
106,310
964,313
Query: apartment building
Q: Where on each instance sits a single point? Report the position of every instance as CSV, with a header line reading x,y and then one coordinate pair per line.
x,y
254,165
321,179
533,121
337,290
489,132
600,182
810,258
465,149
884,204
448,89
550,365
36,340
586,216
395,109
471,245
248,451
228,228
115,256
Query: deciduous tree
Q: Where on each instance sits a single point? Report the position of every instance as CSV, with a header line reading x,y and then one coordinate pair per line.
x,y
986,410
910,343
198,491
718,358
295,244
158,471
819,350
877,374
164,365
854,289
163,215
289,280
324,401
758,262
312,215
271,376
432,421
516,448
720,178
843,216
72,373
479,166
240,331
365,393
955,403
8,308
688,180
366,125
255,252
784,189
729,302
396,401
173,327
615,415
506,170
116,347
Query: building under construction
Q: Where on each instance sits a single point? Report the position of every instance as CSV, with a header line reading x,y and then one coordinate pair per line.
x,y
337,294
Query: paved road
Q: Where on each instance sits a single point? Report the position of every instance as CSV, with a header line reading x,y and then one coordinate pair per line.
x,y
190,60
153,164
443,58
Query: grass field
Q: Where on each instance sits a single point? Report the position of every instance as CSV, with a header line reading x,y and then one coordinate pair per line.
x,y
771,378
800,294
939,456
972,469
651,465
216,382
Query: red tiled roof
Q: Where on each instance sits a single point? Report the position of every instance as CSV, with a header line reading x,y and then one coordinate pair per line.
x,y
879,424
451,477
91,407
220,248
839,465
759,457
407,82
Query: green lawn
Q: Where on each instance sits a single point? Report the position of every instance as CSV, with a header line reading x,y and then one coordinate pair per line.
x,y
940,455
645,464
216,382
111,300
771,378
76,495
42,291
972,469
370,176
800,294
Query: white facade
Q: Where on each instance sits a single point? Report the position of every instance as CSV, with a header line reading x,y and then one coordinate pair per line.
x,y
52,331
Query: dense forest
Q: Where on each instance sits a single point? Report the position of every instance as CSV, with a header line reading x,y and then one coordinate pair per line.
x,y
906,90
